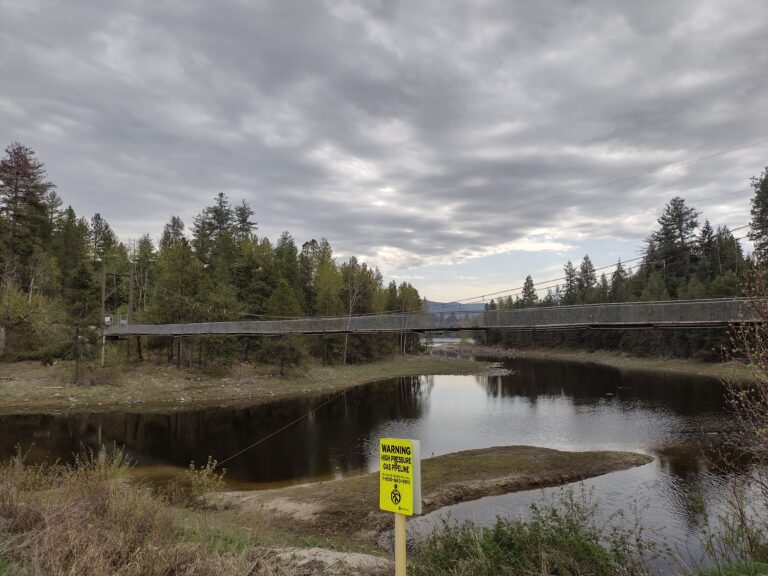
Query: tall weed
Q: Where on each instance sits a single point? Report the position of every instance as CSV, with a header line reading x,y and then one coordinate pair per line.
x,y
86,519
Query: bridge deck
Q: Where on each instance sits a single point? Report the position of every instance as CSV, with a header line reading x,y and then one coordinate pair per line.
x,y
663,314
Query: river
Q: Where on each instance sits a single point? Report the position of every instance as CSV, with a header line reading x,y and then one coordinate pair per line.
x,y
553,404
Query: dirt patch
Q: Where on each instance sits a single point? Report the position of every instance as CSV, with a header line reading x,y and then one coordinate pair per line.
x,y
350,507
328,562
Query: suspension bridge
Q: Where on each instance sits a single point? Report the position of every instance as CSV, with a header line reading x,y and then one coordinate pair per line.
x,y
668,314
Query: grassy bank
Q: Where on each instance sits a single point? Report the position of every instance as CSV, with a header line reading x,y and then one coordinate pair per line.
x,y
732,371
345,512
87,519
29,387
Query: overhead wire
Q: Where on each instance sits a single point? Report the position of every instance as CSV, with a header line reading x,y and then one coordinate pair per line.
x,y
624,179
282,428
516,290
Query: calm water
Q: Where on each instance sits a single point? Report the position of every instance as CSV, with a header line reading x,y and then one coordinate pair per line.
x,y
542,403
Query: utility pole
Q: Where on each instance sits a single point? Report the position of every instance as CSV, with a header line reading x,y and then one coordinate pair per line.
x,y
103,311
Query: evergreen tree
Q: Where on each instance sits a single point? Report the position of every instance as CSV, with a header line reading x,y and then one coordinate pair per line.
x,y
603,289
283,350
528,296
71,242
758,228
677,225
706,256
729,252
586,279
287,264
173,233
103,239
309,260
26,224
144,259
243,226
655,289
618,290
83,294
571,288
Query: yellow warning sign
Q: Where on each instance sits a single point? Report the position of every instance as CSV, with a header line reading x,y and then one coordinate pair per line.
x,y
400,476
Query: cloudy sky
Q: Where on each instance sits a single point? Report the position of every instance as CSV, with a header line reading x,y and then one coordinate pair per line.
x,y
458,145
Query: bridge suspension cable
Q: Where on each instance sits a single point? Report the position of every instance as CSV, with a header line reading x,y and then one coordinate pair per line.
x,y
516,290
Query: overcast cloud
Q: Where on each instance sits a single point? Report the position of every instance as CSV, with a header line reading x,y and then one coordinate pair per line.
x,y
421,136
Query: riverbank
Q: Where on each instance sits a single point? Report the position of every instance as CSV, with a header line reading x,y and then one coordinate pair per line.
x,y
329,528
29,387
345,513
727,371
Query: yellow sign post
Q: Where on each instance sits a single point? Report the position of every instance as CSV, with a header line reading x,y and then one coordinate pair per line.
x,y
400,488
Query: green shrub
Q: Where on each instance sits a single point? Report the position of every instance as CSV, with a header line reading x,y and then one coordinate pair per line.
x,y
204,480
561,537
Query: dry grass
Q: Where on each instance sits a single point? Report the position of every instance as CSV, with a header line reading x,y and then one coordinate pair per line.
x,y
29,387
85,519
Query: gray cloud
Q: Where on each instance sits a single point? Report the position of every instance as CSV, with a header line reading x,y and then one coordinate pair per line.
x,y
407,132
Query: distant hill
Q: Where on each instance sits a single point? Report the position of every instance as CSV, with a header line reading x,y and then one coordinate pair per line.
x,y
455,306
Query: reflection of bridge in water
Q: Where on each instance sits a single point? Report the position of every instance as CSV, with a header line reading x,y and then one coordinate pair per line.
x,y
626,315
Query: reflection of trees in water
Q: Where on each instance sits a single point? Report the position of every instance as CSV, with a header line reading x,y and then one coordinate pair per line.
x,y
585,384
701,471
324,442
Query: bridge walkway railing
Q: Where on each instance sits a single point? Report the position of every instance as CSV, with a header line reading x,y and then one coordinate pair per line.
x,y
661,314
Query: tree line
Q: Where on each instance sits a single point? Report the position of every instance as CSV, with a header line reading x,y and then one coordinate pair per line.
x,y
56,265
682,258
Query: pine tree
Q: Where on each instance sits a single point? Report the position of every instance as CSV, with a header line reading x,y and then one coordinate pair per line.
x,y
586,279
655,289
618,290
103,239
287,264
603,289
706,256
243,226
26,224
528,296
758,228
571,289
283,350
173,233
71,242
674,243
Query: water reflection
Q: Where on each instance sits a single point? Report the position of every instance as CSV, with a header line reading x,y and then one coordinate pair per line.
x,y
680,420
583,384
319,444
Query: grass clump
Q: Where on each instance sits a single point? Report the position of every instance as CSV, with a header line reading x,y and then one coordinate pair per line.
x,y
561,538
86,519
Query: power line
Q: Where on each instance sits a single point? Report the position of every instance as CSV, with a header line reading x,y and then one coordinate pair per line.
x,y
282,428
481,297
624,179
